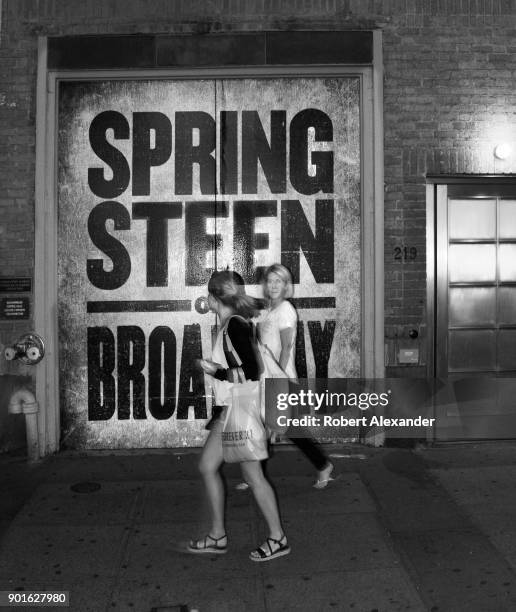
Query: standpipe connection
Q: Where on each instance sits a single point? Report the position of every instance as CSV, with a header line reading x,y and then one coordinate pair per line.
x,y
24,402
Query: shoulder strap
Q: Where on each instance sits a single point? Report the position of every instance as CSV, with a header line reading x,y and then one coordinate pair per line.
x,y
229,348
272,367
265,349
227,345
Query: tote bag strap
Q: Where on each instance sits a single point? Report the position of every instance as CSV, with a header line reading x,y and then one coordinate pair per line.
x,y
278,372
236,365
265,349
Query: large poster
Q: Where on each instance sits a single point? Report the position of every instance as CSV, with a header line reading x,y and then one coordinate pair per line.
x,y
159,183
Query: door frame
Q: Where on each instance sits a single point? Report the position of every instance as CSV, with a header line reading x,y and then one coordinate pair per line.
x,y
437,190
46,230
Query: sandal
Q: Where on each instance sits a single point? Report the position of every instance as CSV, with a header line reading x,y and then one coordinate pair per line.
x,y
208,545
322,483
270,549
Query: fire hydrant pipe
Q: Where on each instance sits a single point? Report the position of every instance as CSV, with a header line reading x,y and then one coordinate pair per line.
x,y
24,402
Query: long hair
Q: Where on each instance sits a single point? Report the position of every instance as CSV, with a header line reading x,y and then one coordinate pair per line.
x,y
228,287
284,273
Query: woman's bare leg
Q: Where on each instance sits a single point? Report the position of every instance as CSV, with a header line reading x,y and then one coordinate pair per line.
x,y
264,495
209,466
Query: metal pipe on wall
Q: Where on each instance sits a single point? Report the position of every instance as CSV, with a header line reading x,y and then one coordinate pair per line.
x,y
24,402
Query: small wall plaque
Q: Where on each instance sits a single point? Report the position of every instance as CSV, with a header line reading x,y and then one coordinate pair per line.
x,y
408,355
14,308
15,284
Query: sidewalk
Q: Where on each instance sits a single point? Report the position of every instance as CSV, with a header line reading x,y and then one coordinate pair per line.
x,y
398,530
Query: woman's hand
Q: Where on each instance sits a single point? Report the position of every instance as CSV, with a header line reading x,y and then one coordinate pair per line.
x,y
208,366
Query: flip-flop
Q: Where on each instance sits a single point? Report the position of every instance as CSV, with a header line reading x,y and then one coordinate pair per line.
x,y
322,484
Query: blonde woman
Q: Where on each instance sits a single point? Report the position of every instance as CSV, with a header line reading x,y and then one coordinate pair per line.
x,y
277,328
234,308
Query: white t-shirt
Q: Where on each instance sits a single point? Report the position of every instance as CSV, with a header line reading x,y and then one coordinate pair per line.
x,y
270,323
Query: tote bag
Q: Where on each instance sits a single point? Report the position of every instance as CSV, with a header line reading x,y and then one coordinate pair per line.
x,y
243,434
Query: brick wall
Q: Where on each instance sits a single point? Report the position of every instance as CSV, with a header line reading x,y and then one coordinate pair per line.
x,y
448,97
17,157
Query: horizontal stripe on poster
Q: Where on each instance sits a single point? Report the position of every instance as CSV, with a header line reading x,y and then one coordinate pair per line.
x,y
185,305
140,306
314,302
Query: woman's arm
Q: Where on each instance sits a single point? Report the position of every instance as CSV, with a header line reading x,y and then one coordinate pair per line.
x,y
286,338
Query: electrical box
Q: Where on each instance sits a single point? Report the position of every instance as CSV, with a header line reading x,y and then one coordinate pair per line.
x,y
406,355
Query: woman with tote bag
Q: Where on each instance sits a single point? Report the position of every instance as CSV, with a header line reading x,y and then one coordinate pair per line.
x,y
234,367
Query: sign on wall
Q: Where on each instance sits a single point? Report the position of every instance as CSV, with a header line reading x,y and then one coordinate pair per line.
x,y
160,183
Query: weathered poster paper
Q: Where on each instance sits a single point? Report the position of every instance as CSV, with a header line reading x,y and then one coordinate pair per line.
x,y
162,181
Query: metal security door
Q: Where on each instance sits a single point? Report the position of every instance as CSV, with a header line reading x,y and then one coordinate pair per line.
x,y
475,346
161,181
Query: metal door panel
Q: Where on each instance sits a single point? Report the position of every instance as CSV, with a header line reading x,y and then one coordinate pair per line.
x,y
482,427
149,349
462,224
472,306
471,350
330,271
507,349
507,263
506,398
469,263
507,305
507,219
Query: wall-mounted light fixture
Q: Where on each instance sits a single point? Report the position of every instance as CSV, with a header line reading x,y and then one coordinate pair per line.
x,y
503,150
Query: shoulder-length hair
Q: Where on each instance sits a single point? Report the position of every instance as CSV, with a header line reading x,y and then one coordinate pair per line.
x,y
228,287
284,273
